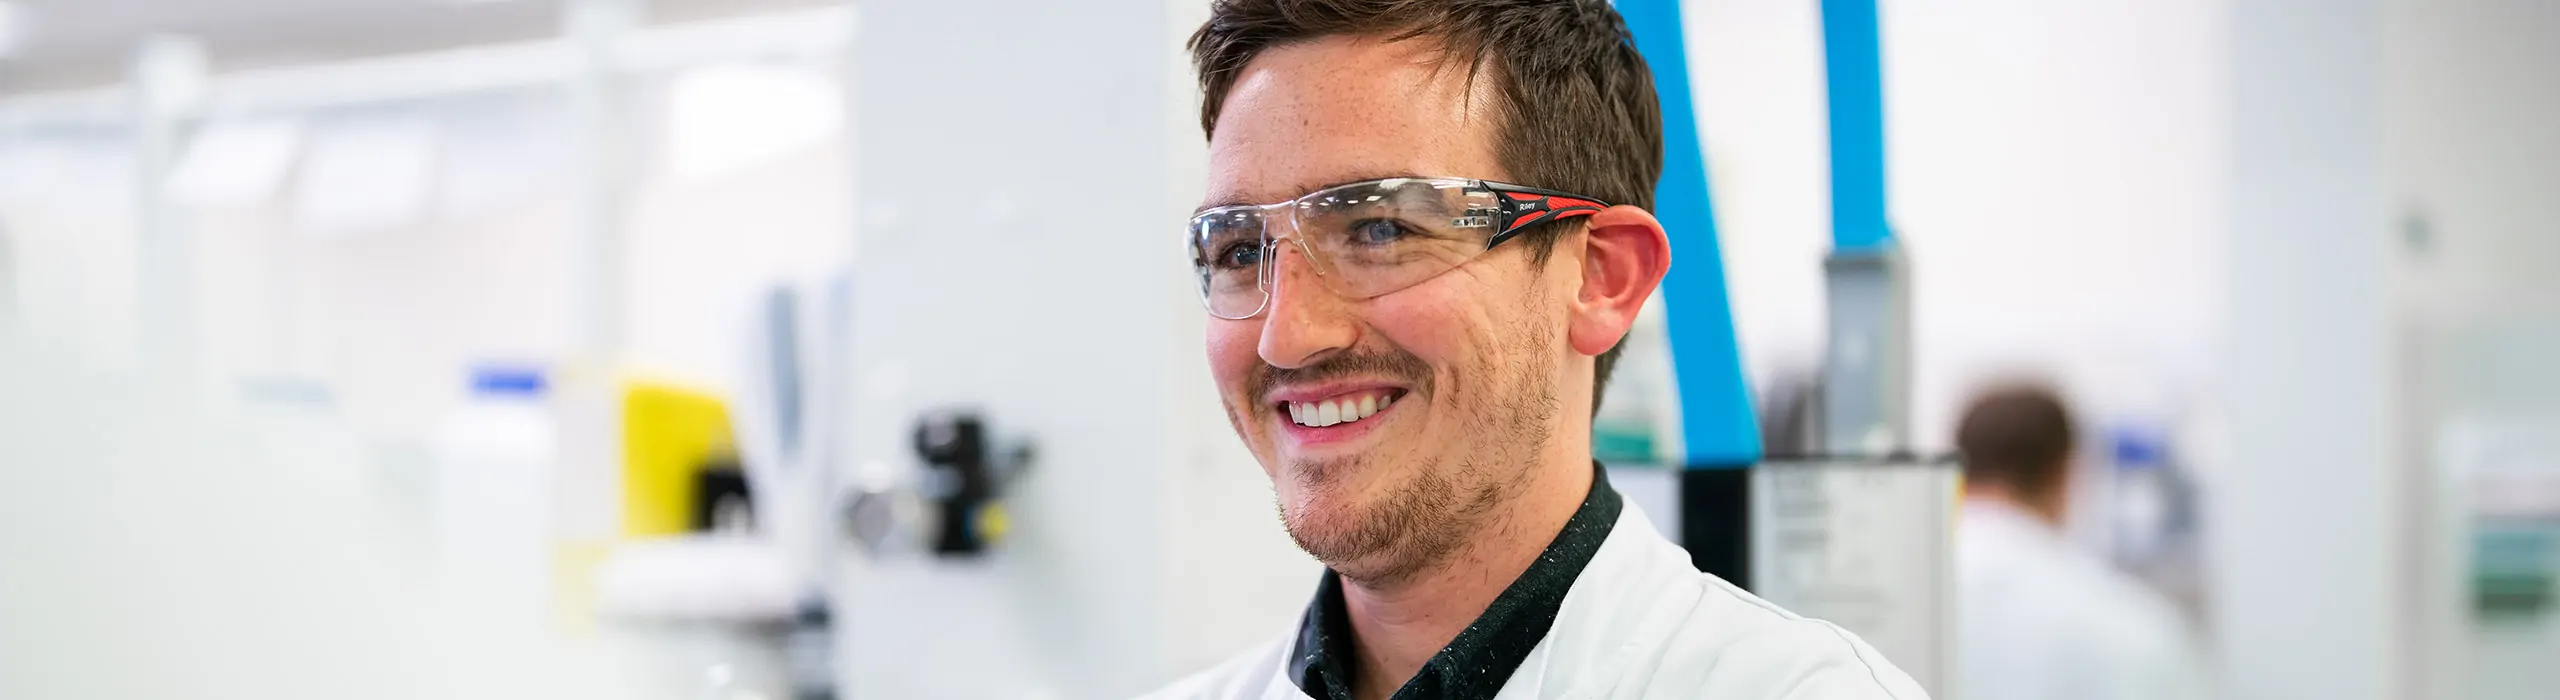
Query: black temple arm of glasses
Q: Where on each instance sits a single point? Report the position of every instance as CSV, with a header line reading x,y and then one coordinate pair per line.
x,y
1524,207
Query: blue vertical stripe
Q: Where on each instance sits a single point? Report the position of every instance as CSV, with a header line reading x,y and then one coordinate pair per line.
x,y
1717,424
1853,68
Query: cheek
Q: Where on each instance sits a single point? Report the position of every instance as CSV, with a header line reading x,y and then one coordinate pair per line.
x,y
1233,352
1468,327
1440,330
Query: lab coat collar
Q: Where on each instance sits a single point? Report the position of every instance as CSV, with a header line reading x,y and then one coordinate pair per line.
x,y
2007,520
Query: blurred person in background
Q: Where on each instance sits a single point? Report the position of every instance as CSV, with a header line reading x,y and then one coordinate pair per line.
x,y
2039,617
1412,348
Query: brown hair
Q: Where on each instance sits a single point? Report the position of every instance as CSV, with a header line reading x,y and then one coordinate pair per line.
x,y
2017,437
1576,106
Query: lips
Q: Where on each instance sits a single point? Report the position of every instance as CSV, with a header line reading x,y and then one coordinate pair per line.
x,y
1344,408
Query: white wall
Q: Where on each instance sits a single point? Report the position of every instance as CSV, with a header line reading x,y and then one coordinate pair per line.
x,y
392,316
2392,167
2057,172
2468,101
66,201
2468,107
2306,521
1024,171
1755,70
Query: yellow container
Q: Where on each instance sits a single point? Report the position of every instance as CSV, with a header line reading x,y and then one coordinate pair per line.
x,y
669,433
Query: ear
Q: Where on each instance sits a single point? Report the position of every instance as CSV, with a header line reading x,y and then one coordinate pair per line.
x,y
1625,253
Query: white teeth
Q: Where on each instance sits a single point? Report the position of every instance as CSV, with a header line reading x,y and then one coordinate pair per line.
x,y
1339,411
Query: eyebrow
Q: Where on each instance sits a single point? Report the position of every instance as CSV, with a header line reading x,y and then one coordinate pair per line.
x,y
1305,190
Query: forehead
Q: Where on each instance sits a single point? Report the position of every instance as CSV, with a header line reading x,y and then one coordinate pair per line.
x,y
1309,114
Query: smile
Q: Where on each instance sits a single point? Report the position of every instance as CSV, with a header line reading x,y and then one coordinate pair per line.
x,y
1346,408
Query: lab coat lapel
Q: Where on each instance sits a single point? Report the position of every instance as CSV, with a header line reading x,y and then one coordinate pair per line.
x,y
1281,688
1625,606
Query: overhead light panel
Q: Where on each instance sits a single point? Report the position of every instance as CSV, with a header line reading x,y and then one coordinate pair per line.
x,y
724,119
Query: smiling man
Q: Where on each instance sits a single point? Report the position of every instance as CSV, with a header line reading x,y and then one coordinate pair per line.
x,y
1426,235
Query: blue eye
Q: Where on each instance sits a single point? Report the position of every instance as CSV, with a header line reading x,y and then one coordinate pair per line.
x,y
1239,256
1377,231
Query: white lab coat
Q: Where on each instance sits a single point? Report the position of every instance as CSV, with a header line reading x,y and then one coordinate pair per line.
x,y
1641,623
2042,619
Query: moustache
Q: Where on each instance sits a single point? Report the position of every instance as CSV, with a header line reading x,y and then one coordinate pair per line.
x,y
1395,364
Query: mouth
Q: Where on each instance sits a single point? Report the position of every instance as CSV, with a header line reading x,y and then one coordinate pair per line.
x,y
1338,415
1346,408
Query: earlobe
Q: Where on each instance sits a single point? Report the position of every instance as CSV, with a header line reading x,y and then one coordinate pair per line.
x,y
1625,254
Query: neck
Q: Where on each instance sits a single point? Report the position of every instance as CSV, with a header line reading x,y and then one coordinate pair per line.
x,y
1399,627
2046,508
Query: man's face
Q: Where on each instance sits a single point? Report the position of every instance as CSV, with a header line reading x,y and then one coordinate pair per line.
x,y
1465,369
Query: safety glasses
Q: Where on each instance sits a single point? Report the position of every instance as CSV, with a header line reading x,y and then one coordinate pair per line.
x,y
1365,239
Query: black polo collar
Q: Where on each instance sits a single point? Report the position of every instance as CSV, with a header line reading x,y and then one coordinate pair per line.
x,y
1482,658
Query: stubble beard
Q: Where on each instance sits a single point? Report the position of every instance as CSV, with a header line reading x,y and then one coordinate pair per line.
x,y
1422,524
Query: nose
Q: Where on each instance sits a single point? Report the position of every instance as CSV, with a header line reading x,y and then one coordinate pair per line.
x,y
1306,322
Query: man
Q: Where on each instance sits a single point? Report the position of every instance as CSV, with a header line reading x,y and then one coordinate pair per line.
x,y
2041,619
1425,236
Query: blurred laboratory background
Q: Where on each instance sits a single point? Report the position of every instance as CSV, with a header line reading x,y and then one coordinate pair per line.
x,y
728,349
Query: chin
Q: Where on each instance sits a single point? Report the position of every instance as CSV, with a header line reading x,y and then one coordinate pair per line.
x,y
1335,530
1313,499
1370,523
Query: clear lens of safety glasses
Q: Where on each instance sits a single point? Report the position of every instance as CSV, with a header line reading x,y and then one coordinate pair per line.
x,y
1366,239
1227,250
